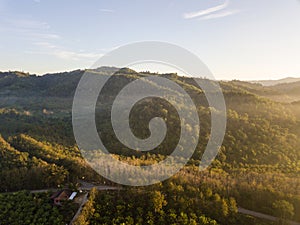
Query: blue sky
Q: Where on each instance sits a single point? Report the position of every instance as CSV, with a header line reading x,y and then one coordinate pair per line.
x,y
236,39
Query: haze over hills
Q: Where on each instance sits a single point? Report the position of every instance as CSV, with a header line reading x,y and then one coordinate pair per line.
x,y
154,146
47,100
275,82
257,165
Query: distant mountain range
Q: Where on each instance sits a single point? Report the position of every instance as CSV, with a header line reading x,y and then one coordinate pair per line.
x,y
275,82
20,84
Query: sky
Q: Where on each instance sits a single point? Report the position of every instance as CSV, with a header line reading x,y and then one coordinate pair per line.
x,y
245,40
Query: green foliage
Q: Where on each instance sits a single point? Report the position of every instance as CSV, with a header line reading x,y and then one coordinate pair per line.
x,y
258,163
176,201
37,165
26,208
284,209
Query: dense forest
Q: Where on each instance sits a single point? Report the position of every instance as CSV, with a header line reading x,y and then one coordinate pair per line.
x,y
257,168
28,208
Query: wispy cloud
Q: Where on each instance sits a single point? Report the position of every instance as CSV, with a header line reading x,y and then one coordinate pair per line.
x,y
77,56
45,44
61,53
27,24
49,36
219,15
211,13
204,12
27,28
40,35
107,10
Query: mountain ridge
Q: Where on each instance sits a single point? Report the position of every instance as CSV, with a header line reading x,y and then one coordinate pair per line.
x,y
276,81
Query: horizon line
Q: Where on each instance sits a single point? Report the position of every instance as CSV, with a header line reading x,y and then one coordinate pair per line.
x,y
140,71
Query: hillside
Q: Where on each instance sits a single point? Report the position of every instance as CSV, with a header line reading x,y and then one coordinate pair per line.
x,y
259,160
32,105
281,92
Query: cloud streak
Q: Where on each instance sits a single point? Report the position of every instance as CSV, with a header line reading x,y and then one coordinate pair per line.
x,y
107,10
215,12
27,28
57,51
27,24
219,15
204,12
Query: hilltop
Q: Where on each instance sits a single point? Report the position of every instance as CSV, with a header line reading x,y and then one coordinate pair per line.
x,y
258,161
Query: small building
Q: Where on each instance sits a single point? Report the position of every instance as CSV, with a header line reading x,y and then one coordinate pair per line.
x,y
61,196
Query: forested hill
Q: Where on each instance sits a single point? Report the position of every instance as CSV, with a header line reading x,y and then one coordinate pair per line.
x,y
259,131
258,164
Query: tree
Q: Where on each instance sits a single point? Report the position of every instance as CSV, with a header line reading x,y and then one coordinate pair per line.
x,y
284,209
158,200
